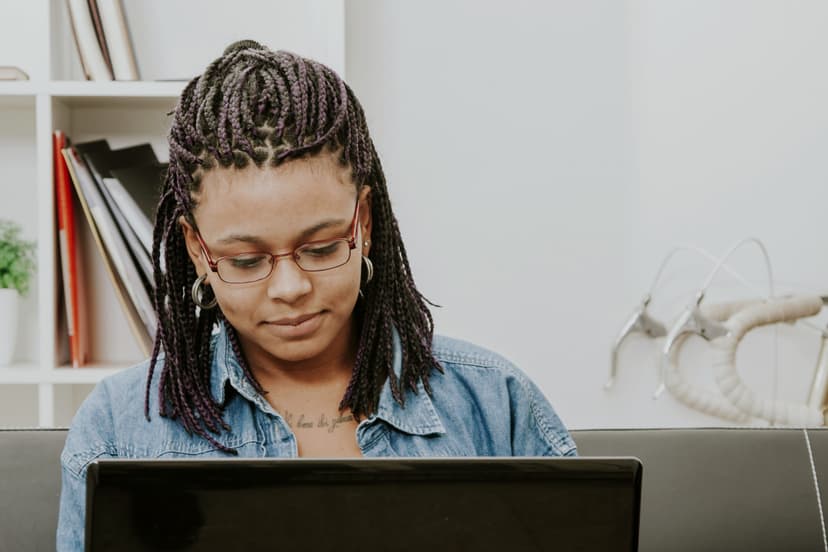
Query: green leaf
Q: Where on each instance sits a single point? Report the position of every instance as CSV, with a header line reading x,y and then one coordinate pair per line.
x,y
17,262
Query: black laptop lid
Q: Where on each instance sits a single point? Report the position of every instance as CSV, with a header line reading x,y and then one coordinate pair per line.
x,y
418,505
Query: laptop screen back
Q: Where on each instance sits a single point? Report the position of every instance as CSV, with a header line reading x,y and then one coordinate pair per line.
x,y
422,505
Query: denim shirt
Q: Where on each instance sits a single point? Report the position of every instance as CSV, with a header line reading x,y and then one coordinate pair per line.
x,y
481,405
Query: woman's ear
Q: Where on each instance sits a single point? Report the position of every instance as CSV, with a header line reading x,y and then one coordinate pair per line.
x,y
365,218
193,247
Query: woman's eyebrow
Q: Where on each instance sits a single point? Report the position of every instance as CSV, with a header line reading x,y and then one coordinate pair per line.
x,y
256,240
233,238
330,223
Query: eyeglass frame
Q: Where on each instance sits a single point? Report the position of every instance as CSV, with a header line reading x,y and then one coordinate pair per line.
x,y
213,263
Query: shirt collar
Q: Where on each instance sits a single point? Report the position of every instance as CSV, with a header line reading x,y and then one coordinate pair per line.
x,y
227,369
219,369
417,417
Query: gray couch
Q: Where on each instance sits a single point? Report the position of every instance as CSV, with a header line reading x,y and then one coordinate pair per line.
x,y
704,489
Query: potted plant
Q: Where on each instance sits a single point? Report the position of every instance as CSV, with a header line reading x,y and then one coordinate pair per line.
x,y
16,269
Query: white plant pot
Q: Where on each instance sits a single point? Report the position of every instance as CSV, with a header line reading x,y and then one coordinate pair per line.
x,y
9,307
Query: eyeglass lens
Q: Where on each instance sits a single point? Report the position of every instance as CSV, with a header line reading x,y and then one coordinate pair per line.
x,y
250,267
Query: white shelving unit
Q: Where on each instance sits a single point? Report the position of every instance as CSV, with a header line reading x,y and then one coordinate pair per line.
x,y
124,113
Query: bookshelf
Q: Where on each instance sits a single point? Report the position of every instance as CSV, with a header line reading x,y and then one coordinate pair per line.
x,y
39,388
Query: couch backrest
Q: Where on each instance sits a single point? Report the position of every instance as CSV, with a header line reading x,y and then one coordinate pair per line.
x,y
723,489
703,489
29,488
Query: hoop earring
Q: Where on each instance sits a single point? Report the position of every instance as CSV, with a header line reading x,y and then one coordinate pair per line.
x,y
369,267
198,294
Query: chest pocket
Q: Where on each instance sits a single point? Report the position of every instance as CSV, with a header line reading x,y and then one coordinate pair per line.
x,y
170,440
200,448
433,445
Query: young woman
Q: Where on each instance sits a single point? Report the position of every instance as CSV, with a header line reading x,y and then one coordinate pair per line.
x,y
289,323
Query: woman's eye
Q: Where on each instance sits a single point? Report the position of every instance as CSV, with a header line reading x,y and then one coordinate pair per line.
x,y
321,250
247,261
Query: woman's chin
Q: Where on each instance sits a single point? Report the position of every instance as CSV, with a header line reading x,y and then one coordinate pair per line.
x,y
297,350
301,343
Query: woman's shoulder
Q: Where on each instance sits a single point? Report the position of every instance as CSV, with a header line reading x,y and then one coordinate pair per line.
x,y
126,389
115,407
479,384
453,352
476,370
133,375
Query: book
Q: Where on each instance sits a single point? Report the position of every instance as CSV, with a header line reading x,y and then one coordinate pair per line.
x,y
96,154
137,220
143,182
118,39
83,30
73,291
102,161
86,74
10,72
139,188
129,288
99,33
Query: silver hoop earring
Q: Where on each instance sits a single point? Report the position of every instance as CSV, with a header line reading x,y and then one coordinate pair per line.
x,y
369,268
198,294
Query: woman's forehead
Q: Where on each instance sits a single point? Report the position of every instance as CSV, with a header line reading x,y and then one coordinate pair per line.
x,y
304,184
271,202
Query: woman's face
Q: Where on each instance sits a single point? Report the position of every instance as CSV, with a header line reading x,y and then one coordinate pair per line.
x,y
292,316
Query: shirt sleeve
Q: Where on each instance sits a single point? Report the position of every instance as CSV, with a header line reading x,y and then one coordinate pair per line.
x,y
71,520
536,428
90,437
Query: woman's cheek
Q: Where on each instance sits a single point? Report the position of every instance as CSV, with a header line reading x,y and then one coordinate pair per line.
x,y
235,304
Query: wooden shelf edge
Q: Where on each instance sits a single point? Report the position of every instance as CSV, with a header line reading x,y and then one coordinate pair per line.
x,y
115,89
33,375
93,89
17,88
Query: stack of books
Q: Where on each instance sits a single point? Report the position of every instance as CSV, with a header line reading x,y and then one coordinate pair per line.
x,y
118,191
102,38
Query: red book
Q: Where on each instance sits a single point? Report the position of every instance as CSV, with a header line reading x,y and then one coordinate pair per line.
x,y
70,268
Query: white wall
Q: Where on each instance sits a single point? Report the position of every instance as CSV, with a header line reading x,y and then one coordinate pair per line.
x,y
543,157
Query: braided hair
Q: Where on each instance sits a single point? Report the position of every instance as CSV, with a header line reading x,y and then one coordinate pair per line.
x,y
253,105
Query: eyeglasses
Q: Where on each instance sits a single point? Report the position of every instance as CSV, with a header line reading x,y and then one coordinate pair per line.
x,y
254,266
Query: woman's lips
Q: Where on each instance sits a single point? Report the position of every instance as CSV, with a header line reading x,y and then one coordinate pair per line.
x,y
295,321
295,327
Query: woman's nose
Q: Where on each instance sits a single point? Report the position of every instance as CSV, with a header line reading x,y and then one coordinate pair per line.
x,y
288,282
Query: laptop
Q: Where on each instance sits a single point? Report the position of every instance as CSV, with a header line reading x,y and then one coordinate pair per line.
x,y
400,504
